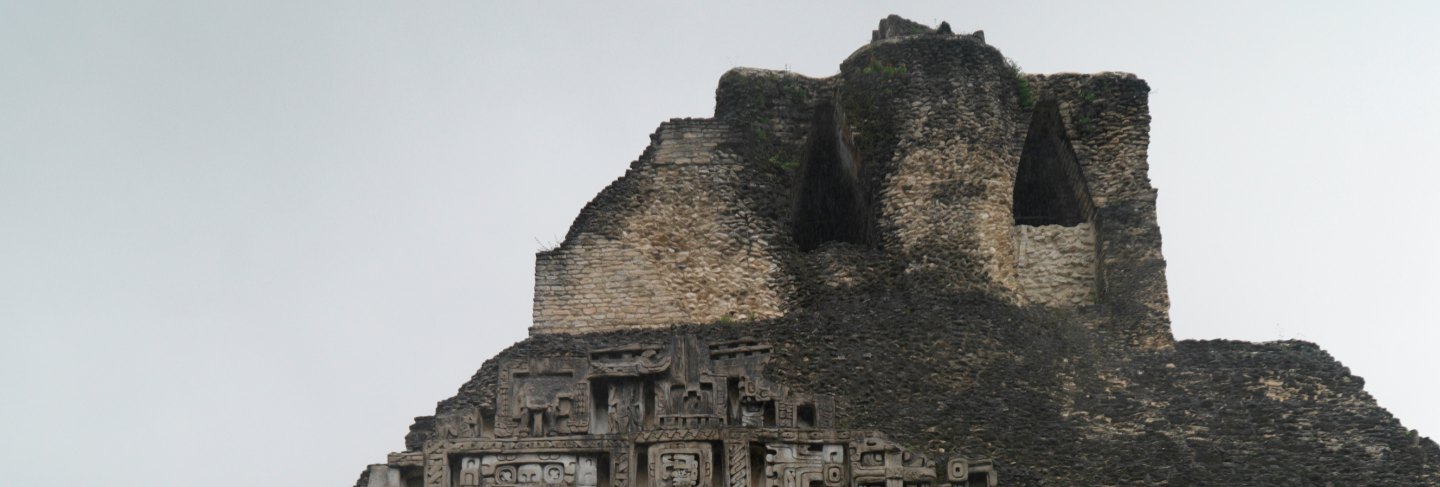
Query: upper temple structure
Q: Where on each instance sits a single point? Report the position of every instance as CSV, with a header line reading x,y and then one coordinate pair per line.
x,y
929,270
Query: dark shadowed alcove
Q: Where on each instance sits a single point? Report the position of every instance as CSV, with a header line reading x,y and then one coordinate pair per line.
x,y
829,203
1049,187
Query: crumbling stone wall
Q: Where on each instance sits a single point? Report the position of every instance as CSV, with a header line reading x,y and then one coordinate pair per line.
x,y
1107,121
673,241
936,125
1056,264
938,118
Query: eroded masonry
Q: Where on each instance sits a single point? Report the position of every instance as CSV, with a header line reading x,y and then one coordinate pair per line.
x,y
929,270
685,414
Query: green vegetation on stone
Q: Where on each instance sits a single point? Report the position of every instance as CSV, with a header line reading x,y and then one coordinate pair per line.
x,y
883,68
1022,84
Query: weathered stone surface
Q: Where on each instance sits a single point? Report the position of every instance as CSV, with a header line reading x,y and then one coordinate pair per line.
x,y
1056,264
929,270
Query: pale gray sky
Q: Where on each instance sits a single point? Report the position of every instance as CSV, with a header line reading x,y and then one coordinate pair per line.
x,y
246,242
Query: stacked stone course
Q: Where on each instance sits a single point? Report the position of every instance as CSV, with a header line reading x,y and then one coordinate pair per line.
x,y
1056,264
670,243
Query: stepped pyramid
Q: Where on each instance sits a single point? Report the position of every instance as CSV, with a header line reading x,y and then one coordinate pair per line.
x,y
929,270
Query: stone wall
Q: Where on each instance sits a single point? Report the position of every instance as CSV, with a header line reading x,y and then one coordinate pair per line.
x,y
938,119
704,226
1107,121
1056,264
673,241
1046,398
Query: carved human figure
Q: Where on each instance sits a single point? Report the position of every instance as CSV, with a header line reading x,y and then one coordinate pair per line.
x,y
619,410
624,408
470,472
585,473
533,411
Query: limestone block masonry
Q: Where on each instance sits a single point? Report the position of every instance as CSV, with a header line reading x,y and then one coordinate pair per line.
x,y
671,242
1056,264
929,270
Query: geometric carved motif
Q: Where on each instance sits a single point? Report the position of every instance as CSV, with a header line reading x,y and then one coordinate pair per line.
x,y
877,462
791,465
528,470
578,422
544,397
683,464
966,473
737,463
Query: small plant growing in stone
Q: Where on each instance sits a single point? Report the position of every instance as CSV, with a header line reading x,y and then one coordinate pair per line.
x,y
760,131
783,162
1022,84
880,67
1085,126
797,92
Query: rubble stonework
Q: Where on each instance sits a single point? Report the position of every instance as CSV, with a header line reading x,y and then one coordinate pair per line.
x,y
1056,264
929,270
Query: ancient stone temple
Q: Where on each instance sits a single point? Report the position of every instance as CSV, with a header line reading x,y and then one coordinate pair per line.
x,y
929,270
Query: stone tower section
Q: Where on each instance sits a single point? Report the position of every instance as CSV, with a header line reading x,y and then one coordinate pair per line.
x,y
938,118
930,162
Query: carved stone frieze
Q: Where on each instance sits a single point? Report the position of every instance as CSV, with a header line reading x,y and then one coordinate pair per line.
x,y
681,464
689,414
543,397
529,470
461,424
737,463
628,361
877,461
962,472
798,465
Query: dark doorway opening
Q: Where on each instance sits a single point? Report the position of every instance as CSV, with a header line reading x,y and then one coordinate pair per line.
x,y
1049,186
829,201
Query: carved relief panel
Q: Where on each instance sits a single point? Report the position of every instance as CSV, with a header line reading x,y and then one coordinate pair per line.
x,y
545,397
878,462
681,464
611,418
528,470
461,424
790,465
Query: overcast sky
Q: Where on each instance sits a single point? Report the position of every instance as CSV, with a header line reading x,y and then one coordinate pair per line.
x,y
244,242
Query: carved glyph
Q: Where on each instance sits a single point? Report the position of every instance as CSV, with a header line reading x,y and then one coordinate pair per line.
x,y
791,465
682,464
